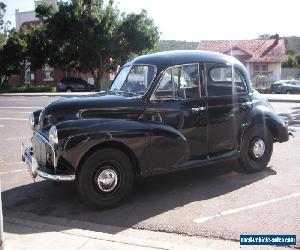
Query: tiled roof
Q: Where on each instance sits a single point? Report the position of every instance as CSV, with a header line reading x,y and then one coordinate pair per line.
x,y
30,23
256,50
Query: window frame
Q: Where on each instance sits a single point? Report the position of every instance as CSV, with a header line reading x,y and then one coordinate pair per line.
x,y
241,74
45,70
261,71
155,98
130,67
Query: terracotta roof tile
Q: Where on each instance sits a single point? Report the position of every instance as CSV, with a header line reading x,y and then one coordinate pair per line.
x,y
256,50
30,23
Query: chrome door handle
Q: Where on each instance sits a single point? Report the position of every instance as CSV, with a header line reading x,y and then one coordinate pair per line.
x,y
246,105
198,109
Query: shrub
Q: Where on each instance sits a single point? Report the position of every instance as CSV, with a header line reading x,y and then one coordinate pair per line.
x,y
27,89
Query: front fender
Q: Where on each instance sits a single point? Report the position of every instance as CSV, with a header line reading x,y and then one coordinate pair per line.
x,y
79,136
155,146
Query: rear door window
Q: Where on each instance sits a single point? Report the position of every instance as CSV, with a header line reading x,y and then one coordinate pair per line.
x,y
224,80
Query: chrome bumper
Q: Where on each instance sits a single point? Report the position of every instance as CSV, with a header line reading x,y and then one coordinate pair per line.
x,y
34,168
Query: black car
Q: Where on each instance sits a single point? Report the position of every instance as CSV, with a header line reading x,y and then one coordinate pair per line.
x,y
285,87
164,112
70,84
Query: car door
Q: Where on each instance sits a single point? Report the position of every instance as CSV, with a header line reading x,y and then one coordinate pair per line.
x,y
228,103
177,102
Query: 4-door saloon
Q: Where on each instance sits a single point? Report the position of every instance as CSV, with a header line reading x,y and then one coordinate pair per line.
x,y
164,112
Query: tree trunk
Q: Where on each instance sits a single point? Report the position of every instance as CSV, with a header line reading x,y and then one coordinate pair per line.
x,y
99,72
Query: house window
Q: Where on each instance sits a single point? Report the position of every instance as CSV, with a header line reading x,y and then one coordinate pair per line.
x,y
48,74
261,71
27,76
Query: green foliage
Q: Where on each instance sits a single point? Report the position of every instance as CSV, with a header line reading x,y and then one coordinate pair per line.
x,y
2,12
83,35
264,36
88,36
165,45
3,25
292,45
292,61
27,45
27,89
45,11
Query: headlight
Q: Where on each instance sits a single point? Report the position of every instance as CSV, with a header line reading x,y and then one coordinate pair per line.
x,y
53,138
32,121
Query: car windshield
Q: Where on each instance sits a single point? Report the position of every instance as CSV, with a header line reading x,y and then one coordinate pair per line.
x,y
134,80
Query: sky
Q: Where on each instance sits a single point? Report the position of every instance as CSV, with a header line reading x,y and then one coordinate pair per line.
x,y
195,20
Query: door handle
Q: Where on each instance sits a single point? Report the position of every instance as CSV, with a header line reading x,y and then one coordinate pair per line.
x,y
246,105
198,109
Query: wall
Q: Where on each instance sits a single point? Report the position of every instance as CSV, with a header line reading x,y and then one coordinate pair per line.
x,y
290,73
24,16
276,69
273,68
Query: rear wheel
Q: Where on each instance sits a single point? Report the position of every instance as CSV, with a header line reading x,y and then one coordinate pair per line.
x,y
288,92
68,90
106,178
256,148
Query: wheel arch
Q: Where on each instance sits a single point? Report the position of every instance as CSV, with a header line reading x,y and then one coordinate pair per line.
x,y
269,124
114,145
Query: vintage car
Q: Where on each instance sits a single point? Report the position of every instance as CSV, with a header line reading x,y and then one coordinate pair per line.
x,y
164,112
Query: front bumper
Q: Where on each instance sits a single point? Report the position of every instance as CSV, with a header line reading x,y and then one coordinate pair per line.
x,y
36,170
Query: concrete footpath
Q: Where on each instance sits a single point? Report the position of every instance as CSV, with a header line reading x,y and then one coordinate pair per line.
x,y
38,232
35,233
270,97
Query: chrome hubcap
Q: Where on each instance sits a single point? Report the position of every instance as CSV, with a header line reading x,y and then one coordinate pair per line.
x,y
107,180
259,148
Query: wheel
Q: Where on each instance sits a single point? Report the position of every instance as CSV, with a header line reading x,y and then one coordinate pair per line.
x,y
68,90
288,92
105,178
256,149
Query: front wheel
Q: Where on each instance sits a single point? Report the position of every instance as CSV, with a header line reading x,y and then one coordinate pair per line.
x,y
105,178
256,149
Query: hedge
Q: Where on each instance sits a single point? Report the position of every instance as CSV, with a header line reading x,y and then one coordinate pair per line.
x,y
27,89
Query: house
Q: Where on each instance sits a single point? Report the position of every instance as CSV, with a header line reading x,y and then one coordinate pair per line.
x,y
262,57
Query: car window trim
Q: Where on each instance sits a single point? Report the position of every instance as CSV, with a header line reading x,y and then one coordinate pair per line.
x,y
227,65
153,96
130,67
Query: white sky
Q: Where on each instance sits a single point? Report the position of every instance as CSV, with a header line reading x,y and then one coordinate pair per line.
x,y
195,20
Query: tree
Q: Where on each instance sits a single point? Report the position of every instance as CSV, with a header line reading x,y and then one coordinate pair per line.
x,y
3,25
29,45
264,36
89,36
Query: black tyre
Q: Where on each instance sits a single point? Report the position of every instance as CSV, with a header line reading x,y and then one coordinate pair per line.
x,y
288,92
256,148
68,90
105,178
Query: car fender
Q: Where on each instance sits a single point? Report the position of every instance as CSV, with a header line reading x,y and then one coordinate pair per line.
x,y
78,137
262,114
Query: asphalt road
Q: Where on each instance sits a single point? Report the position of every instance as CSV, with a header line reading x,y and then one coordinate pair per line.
x,y
217,201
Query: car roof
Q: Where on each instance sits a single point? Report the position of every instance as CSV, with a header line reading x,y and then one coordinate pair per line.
x,y
175,57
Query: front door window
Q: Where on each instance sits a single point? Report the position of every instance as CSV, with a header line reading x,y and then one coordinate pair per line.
x,y
179,82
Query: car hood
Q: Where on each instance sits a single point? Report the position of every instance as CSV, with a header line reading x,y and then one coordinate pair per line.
x,y
95,106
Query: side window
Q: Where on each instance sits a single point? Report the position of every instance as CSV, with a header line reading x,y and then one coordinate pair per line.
x,y
179,82
224,80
